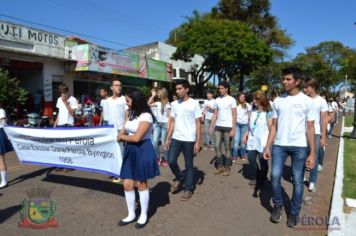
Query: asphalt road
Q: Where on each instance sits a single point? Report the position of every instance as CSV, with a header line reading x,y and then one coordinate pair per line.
x,y
90,204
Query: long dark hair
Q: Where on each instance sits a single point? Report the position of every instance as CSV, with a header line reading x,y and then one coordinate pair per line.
x,y
139,105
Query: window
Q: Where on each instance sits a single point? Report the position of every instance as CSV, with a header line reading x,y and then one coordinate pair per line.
x,y
183,74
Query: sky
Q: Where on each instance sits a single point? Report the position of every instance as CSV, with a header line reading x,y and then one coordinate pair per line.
x,y
137,22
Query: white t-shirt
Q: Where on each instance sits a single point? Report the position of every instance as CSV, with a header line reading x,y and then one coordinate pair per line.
x,y
64,117
131,126
330,108
2,118
320,105
185,113
162,117
105,109
292,113
208,107
335,106
242,113
224,106
116,111
258,130
154,111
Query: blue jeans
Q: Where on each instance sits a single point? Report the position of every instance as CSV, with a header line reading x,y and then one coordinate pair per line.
x,y
159,133
321,156
209,140
240,131
314,171
298,158
175,148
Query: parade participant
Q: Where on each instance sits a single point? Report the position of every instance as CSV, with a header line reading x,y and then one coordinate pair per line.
x,y
256,136
292,125
329,120
174,97
320,123
208,112
183,136
332,102
243,110
160,129
224,121
5,147
139,160
104,107
117,111
66,105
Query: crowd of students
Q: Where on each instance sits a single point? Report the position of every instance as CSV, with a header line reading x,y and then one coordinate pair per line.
x,y
295,124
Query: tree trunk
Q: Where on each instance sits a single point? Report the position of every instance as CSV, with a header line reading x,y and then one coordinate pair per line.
x,y
241,83
199,90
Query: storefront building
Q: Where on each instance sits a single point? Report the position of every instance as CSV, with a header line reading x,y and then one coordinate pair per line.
x,y
96,66
42,60
35,57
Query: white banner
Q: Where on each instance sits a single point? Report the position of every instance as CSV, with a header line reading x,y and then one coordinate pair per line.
x,y
93,149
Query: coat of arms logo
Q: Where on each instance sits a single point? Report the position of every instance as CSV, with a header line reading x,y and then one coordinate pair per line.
x,y
38,210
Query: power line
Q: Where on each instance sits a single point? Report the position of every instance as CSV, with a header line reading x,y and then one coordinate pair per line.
x,y
65,30
89,9
72,32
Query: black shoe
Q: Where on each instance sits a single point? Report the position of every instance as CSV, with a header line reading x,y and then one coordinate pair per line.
x,y
292,221
276,214
123,223
140,226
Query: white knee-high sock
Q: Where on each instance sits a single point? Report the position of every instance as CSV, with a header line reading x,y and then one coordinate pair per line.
x,y
3,178
144,201
130,202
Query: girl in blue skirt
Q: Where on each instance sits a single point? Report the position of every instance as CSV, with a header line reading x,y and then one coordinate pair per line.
x,y
5,147
139,160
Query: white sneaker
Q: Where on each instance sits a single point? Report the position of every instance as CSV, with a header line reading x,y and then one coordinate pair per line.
x,y
312,187
320,168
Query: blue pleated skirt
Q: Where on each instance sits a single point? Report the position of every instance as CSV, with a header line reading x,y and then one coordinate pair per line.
x,y
139,161
5,144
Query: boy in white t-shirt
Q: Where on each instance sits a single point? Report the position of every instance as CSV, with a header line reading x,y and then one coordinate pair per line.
x,y
183,136
66,105
117,111
104,117
320,123
224,121
208,112
292,125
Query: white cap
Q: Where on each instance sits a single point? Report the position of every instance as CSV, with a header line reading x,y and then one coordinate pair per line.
x,y
2,113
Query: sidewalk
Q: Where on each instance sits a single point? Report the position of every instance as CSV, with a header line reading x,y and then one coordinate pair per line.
x,y
89,204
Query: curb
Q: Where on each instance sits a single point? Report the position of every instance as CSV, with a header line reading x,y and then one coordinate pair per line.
x,y
337,204
351,202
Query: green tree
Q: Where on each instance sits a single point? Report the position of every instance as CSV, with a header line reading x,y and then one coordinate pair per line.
x,y
11,93
267,75
350,68
256,14
325,62
228,47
